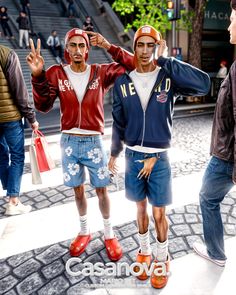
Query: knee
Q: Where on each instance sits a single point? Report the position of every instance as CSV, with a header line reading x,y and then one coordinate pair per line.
x,y
101,192
142,208
79,192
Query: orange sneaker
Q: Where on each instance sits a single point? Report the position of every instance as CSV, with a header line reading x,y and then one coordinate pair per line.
x,y
160,281
143,259
79,244
113,248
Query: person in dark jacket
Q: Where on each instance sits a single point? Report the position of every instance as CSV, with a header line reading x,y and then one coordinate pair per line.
x,y
220,174
4,23
14,101
81,88
142,119
23,22
25,4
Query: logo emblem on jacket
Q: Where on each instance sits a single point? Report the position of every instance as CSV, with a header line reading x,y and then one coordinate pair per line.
x,y
162,97
94,85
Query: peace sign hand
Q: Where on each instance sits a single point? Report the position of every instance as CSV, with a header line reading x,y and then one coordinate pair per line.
x,y
34,59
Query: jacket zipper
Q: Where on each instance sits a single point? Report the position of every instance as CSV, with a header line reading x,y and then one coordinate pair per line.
x,y
93,78
144,111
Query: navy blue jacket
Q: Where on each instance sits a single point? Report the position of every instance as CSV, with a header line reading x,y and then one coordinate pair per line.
x,y
152,127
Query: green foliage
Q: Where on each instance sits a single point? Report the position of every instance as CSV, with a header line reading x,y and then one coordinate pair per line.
x,y
152,12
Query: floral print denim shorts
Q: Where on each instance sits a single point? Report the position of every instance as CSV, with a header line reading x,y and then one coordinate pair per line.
x,y
79,152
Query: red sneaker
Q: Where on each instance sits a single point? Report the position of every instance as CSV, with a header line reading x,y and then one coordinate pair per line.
x,y
143,259
113,248
79,244
160,281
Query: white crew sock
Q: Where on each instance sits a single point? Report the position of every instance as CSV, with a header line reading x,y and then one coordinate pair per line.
x,y
162,251
84,225
108,231
144,242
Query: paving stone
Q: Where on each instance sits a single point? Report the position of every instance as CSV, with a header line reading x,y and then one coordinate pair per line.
x,y
30,284
55,286
51,192
197,228
181,229
192,209
225,208
51,254
94,246
43,204
234,212
177,218
231,220
52,270
16,260
128,229
7,283
177,244
39,198
69,193
179,210
178,255
193,239
4,269
128,244
224,217
230,229
33,193
56,198
27,268
228,200
191,218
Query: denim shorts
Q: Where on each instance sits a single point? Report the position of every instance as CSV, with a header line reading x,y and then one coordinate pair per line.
x,y
157,188
79,152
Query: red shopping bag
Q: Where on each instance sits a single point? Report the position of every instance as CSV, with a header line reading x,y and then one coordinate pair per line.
x,y
45,162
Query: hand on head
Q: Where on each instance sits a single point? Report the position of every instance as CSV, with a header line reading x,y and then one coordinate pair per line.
x,y
97,39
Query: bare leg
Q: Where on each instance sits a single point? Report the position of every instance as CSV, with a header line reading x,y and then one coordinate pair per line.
x,y
142,216
80,199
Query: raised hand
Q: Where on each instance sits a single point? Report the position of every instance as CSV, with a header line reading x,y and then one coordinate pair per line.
x,y
34,59
161,49
97,39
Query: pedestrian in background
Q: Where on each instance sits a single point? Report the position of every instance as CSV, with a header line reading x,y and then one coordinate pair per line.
x,y
142,112
222,73
54,45
23,22
81,88
4,23
71,9
14,101
220,174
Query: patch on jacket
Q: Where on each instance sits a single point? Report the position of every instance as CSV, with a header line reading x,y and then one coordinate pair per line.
x,y
94,85
162,97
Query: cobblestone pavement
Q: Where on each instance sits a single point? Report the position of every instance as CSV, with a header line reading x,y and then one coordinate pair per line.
x,y
42,271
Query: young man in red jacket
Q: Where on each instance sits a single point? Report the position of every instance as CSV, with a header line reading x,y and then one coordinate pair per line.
x,y
81,88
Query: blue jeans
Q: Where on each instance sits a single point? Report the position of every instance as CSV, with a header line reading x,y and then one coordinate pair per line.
x,y
157,187
217,182
12,156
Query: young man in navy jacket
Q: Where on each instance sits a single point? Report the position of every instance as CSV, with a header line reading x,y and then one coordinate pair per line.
x,y
142,113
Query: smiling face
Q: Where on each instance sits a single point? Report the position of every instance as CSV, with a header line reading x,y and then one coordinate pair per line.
x,y
77,49
232,27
